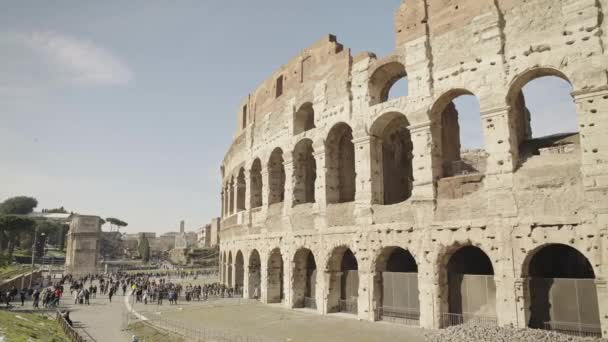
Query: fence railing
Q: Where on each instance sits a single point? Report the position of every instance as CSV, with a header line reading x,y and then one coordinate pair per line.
x,y
310,303
199,334
73,334
452,319
406,316
574,328
348,306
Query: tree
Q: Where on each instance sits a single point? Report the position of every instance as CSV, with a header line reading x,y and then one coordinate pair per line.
x,y
60,210
20,205
11,226
144,247
114,222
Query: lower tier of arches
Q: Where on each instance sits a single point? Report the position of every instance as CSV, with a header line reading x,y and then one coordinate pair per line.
x,y
552,279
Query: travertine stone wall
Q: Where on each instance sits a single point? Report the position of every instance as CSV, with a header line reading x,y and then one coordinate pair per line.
x,y
505,201
82,253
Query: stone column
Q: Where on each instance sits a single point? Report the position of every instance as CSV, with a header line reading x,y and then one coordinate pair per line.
x,y
265,186
264,278
424,172
602,300
245,277
501,145
430,306
289,183
222,199
364,170
521,301
247,190
320,182
592,110
365,309
235,195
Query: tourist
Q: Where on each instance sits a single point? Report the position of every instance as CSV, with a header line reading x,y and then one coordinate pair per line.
x,y
22,296
110,294
36,298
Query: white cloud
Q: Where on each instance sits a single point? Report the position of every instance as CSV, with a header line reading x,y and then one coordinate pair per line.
x,y
66,59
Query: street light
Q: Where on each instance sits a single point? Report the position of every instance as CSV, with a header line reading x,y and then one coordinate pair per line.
x,y
34,254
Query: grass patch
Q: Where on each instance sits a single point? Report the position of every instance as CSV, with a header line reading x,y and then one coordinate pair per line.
x,y
11,271
24,327
145,332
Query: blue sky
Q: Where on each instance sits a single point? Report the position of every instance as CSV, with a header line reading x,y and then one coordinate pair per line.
x,y
125,108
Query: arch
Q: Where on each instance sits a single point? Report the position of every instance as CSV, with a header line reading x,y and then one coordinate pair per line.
x,y
305,172
468,270
342,267
274,289
229,272
255,179
304,118
240,190
239,274
562,291
304,279
458,134
383,79
276,177
340,164
538,126
392,169
254,274
396,286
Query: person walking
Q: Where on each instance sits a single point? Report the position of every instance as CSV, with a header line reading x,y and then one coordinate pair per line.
x,y
36,298
110,294
22,296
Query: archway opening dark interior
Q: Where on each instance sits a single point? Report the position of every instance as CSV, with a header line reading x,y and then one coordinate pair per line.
x,y
304,279
276,177
563,294
239,273
275,291
305,172
255,177
396,159
471,288
396,286
340,165
349,283
255,275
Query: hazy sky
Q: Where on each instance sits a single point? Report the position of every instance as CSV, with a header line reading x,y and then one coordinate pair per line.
x,y
125,108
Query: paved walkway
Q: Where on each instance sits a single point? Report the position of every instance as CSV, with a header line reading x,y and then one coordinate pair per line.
x,y
103,320
274,323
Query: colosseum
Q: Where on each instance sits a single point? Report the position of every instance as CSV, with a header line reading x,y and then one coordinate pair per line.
x,y
340,198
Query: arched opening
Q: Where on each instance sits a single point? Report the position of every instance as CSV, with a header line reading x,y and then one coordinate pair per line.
x,y
396,286
276,177
304,279
305,173
340,164
255,178
229,272
563,295
255,275
240,190
343,281
543,114
392,170
387,82
470,287
304,119
238,273
459,133
275,292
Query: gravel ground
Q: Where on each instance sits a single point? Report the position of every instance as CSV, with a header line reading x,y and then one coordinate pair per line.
x,y
476,333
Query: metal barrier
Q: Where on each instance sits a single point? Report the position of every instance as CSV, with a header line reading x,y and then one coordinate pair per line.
x,y
71,333
310,303
406,316
574,328
452,319
348,306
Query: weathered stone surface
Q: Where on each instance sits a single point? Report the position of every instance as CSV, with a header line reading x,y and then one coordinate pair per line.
x,y
331,164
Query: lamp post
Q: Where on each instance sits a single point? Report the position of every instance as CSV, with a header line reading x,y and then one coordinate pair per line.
x,y
34,254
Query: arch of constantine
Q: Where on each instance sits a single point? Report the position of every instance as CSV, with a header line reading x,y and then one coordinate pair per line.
x,y
337,197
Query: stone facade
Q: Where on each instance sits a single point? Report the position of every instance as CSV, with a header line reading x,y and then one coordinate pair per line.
x,y
327,173
82,253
